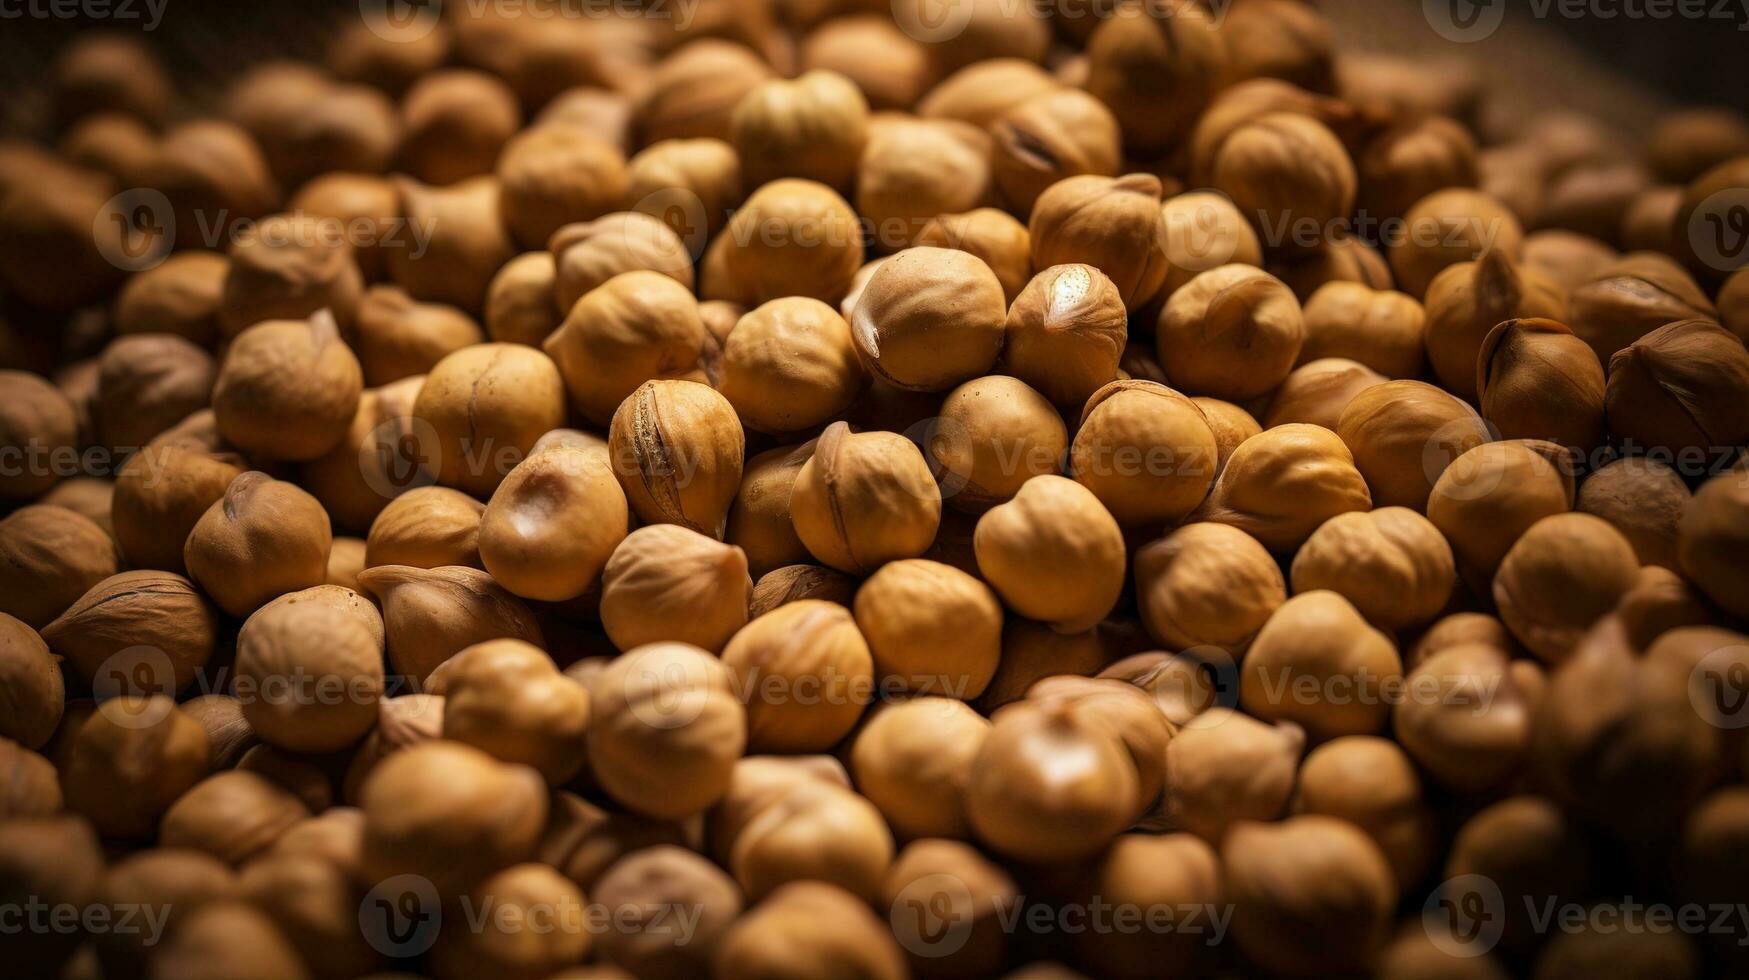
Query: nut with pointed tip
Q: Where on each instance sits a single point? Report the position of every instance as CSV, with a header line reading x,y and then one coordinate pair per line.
x,y
677,450
1111,223
1233,332
667,584
287,389
1066,333
864,499
431,614
1536,380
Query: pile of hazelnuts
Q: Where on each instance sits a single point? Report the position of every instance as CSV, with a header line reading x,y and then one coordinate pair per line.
x,y
818,488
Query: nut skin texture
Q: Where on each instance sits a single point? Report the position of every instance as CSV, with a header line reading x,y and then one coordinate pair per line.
x,y
147,384
993,435
1146,451
992,235
426,527
1233,332
398,337
180,296
1318,639
432,614
662,173
1152,871
1680,388
160,494
1403,435
913,760
130,761
454,125
665,729
451,813
1490,496
813,127
915,169
520,306
1312,895
1285,170
1380,328
1562,575
49,557
485,406
1111,223
947,873
590,253
1391,563
1371,783
694,90
264,538
929,319
1283,484
1207,585
666,877
288,269
551,175
864,499
1645,500
1204,231
787,820
1049,137
790,238
785,656
821,930
552,525
467,246
1413,159
1157,70
1536,380
635,327
378,457
930,628
1053,553
305,642
759,522
1066,332
233,816
127,622
1318,392
401,722
677,450
508,699
33,691
288,389
1473,737
1711,539
667,584
790,365
1455,225
1632,297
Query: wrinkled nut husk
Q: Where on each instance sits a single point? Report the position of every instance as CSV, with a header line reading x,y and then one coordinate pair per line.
x,y
955,876
1111,223
786,820
992,235
1233,332
1403,435
467,242
1318,392
1391,563
287,389
1286,171
288,269
49,557
400,722
1146,451
432,614
309,641
1447,228
864,499
483,408
1646,501
659,877
137,632
1682,388
587,254
636,327
551,526
1632,297
508,699
1157,69
1051,136
1382,329
678,449
793,583
1207,585
1223,767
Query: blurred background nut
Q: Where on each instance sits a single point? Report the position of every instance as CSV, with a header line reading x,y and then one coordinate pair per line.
x,y
314,904
226,939
786,820
1053,553
432,614
1711,538
1319,664
913,760
1561,576
106,72
400,722
1447,228
807,675
1682,388
790,238
1152,871
289,268
49,557
589,253
1340,259
56,860
508,699
1372,784
989,233
635,327
993,435
930,628
264,538
933,876
916,169
212,172
1466,721
1286,172
1536,380
1645,500
368,207
36,422
1233,332
398,337
864,499
790,365
314,671
1145,451
180,297
929,319
116,633
35,695
486,405
521,305
1566,258
1411,160
146,384
130,761
550,527
1310,894
1204,230
32,784
1689,142
426,527
677,449
665,729
466,242
1318,392
812,923
666,583
454,124
1111,223
1629,299
640,887
160,494
1403,435
1065,333
693,91
1391,563
1488,497
1382,329
664,173
1156,69
1282,484
233,816
980,93
1051,136
287,389
813,127
551,175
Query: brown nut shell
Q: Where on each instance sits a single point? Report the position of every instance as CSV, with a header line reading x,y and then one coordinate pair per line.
x,y
432,614
864,499
1391,563
929,319
49,557
288,389
551,526
1281,485
1536,380
665,729
808,675
1066,331
485,406
1319,664
1053,553
264,538
677,450
1564,574
1146,451
508,699
668,584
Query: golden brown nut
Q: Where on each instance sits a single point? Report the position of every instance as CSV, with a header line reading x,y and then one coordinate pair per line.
x,y
1632,297
226,939
759,523
1289,173
1565,573
1053,135
1467,300
694,90
521,307
1207,585
790,238
930,628
813,127
786,820
398,337
1536,380
62,251
508,699
145,385
553,174
455,122
700,176
1053,553
1205,231
936,882
262,539
288,389
635,890
1534,853
980,93
451,813
137,632
288,268
1151,871
790,366
1156,68
486,405
1403,435
369,207
636,327
1465,720
1319,664
1282,484
426,527
793,583
913,760
1311,894
864,499
1233,332
35,694
807,673
916,169
667,583
233,816
1391,563
993,435
130,761
401,722
431,614
819,928
160,494
665,729
550,526
38,425
590,253
179,296
465,242
1461,629
677,450
1488,497
32,786
1318,392
1065,333
1379,328
1145,451
1413,159
310,669
1341,259
990,234
1711,539
1682,388
929,319
1111,223
1449,227
890,67
1371,783
49,557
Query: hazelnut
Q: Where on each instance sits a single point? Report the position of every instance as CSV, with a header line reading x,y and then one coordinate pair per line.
x,y
55,239
103,72
308,125
665,729
991,235
980,93
466,242
401,722
1682,388
160,494
314,904
1595,951
262,539
1449,227
229,736
213,174
944,876
1403,435
790,238
1053,553
1318,663
1466,721
1381,329
1649,223
1318,392
636,327
1050,136
1224,767
426,527
1629,299
993,435
1710,542
1461,629
454,124
55,860
590,253
1279,486
640,887
35,693
1207,585
130,761
1066,331
360,54
1468,299
1146,871
677,172
1157,69
813,127
233,816
1595,199
1239,104
146,384
1392,563
520,304
1204,231
398,337
313,663
1488,497
287,268
1421,950
90,497
913,760
550,526
1342,258
807,674
554,174
929,319
583,841
1033,651
1565,258
32,786
787,820
226,939
793,583
1280,39
432,614
1372,784
930,628
1233,332
813,923
1536,380
451,813
916,169
677,451
116,633
1413,159
990,30
1146,451
1285,170
288,389
368,206
790,365
486,405
759,522
1311,894
180,296
49,557
864,499
1562,575
508,699
666,583
37,424
1111,223
693,92
890,67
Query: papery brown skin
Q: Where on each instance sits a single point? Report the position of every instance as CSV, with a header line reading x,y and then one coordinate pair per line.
x,y
1632,297
1233,332
103,633
1051,136
1392,563
1412,160
1467,300
1560,578
790,238
636,327
980,93
398,337
790,365
939,870
146,384
1403,435
662,173
588,254
455,123
665,730
993,435
520,306
160,493
1224,767
32,783
787,820
930,319
1318,640
1157,72
666,583
759,521
992,235
1286,170
813,127
508,699
1536,380
405,720
792,583
666,876
432,614
49,557
1382,329
287,389
550,526
34,692
1146,451
1645,500
287,268
426,527
1281,484
180,296
312,637
1488,497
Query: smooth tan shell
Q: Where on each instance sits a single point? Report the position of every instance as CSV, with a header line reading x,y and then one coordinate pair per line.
x,y
264,538
665,583
929,319
1392,563
426,527
808,675
550,526
1280,485
1207,585
1053,553
295,651
913,760
1146,451
931,628
864,499
431,614
1319,637
635,327
508,699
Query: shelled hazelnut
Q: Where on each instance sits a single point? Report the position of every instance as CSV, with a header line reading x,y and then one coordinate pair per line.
x,y
1282,484
864,499
913,170
1146,451
1111,223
